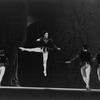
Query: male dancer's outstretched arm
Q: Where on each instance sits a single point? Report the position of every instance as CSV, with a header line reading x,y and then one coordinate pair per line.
x,y
73,59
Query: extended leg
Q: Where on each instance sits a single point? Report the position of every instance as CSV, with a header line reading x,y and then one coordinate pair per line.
x,y
45,58
37,49
2,71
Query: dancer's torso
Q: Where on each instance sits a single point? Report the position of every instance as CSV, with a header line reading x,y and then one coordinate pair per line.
x,y
85,57
46,44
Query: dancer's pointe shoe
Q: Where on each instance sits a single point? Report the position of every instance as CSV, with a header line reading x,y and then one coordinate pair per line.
x,y
44,73
17,85
88,89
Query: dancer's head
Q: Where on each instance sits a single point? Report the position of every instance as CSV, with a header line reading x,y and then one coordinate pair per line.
x,y
85,47
46,34
2,53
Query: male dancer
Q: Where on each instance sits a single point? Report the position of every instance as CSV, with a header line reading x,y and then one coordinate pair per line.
x,y
97,58
85,59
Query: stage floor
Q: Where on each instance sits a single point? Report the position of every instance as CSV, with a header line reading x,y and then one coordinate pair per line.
x,y
43,93
47,88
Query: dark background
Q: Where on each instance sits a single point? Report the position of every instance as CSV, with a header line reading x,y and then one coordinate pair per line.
x,y
13,27
70,23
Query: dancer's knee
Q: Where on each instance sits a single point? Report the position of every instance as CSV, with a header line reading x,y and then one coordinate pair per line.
x,y
3,68
44,61
44,64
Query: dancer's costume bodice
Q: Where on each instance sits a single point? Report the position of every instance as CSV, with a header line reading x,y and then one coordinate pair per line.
x,y
47,44
85,56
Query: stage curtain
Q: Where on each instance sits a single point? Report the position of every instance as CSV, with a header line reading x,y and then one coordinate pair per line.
x,y
13,26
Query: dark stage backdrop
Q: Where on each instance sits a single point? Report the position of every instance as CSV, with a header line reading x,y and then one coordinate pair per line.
x,y
70,23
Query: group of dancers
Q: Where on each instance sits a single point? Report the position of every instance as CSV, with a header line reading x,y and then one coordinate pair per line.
x,y
46,44
86,61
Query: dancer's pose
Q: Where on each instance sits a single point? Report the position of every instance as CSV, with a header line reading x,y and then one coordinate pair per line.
x,y
97,58
3,63
45,45
85,59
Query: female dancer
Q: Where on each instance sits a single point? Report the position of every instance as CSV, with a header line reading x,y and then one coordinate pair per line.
x,y
85,59
97,58
45,45
3,63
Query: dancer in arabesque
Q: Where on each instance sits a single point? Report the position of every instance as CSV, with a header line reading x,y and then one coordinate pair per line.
x,y
45,45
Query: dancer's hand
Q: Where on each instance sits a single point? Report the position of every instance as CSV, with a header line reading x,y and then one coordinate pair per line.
x,y
58,48
38,39
67,62
94,59
21,48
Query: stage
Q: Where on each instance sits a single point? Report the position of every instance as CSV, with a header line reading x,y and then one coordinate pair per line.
x,y
42,93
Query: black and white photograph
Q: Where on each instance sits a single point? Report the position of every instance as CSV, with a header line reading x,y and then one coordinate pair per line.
x,y
49,49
